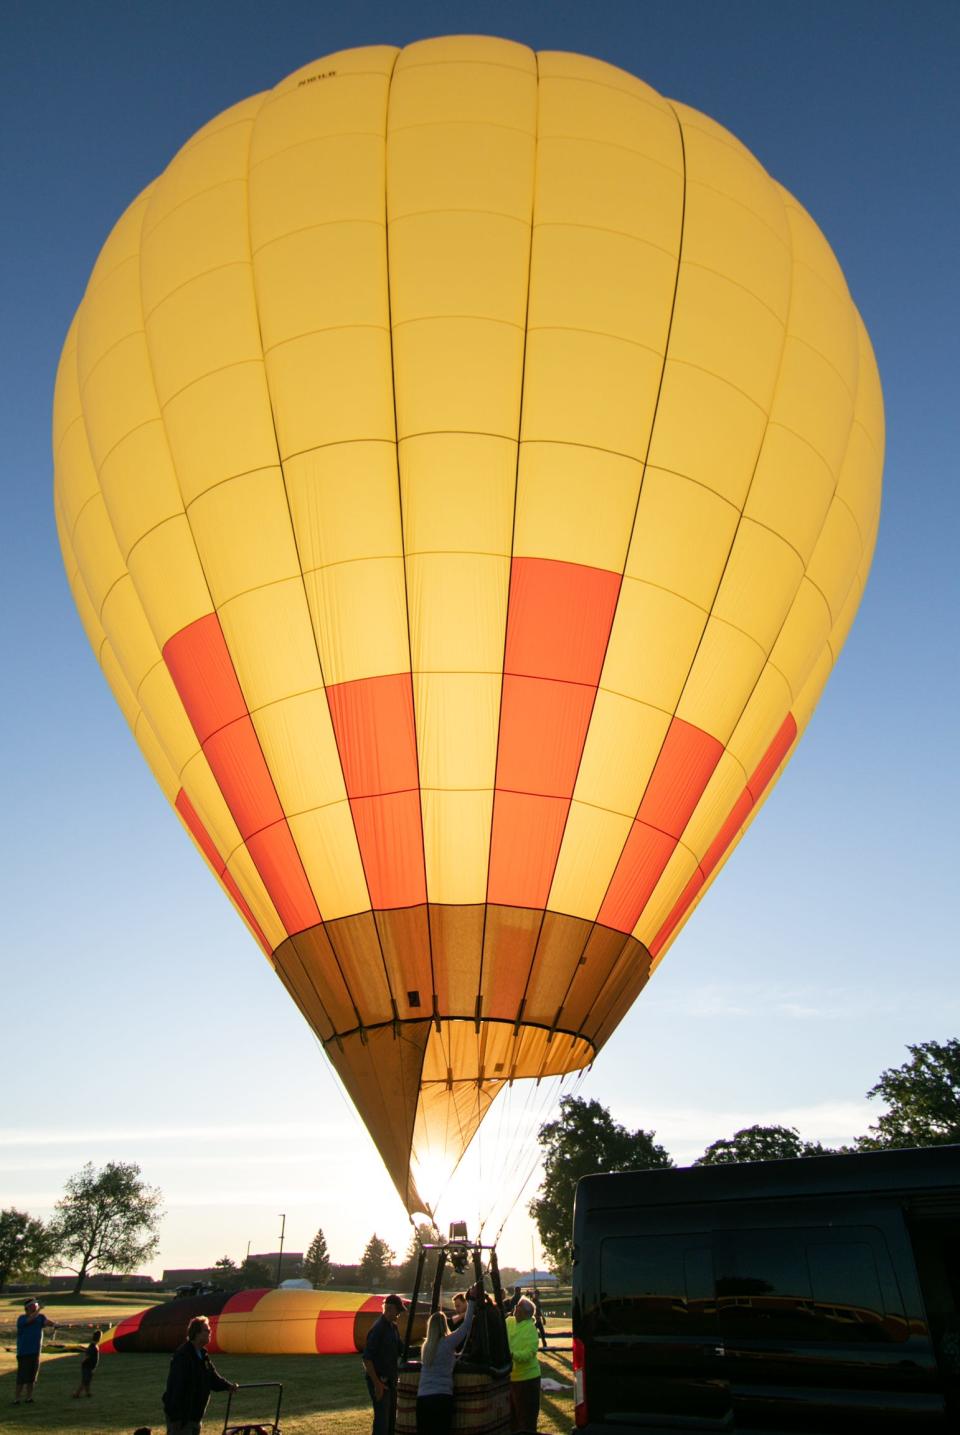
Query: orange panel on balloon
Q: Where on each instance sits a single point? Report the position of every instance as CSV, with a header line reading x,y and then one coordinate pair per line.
x,y
207,846
645,854
203,673
542,729
391,846
773,756
559,619
737,816
679,911
334,1332
684,767
237,762
278,862
374,727
526,837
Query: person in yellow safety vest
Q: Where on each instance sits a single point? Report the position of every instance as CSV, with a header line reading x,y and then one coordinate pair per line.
x,y
525,1373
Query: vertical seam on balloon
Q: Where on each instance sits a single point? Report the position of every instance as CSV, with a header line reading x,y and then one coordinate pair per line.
x,y
95,469
296,544
176,475
403,547
626,557
746,496
291,942
406,604
513,535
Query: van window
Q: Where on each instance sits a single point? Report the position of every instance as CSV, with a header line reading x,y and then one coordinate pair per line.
x,y
806,1284
657,1285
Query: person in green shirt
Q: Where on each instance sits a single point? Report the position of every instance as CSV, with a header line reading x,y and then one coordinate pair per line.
x,y
525,1374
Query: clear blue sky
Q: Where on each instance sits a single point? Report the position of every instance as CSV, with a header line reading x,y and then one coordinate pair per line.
x,y
141,1021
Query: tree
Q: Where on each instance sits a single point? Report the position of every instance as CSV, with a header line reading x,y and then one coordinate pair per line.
x,y
759,1143
255,1275
106,1220
924,1099
376,1260
316,1263
25,1246
251,1275
407,1271
583,1139
226,1273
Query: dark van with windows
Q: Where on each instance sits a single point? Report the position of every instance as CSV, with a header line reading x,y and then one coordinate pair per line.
x,y
818,1295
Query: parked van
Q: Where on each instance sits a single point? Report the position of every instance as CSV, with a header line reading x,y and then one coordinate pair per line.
x,y
817,1295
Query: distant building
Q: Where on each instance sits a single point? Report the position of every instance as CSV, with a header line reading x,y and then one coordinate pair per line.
x,y
102,1280
291,1265
186,1275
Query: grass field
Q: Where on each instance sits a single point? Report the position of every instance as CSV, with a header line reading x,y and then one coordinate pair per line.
x,y
78,1314
322,1395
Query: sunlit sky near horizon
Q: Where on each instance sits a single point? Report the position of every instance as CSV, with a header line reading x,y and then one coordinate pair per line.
x,y
142,1023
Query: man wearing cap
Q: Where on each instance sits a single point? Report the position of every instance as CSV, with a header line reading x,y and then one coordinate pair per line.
x,y
381,1355
30,1328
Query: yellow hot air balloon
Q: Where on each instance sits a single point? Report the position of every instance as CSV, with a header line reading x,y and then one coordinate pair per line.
x,y
467,471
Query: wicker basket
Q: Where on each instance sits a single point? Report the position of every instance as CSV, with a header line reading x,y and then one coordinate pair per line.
x,y
481,1403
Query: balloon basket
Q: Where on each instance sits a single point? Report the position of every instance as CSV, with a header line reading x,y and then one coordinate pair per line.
x,y
481,1403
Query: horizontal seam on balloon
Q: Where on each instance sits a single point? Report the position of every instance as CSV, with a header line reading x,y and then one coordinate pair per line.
x,y
748,209
77,419
124,338
623,148
276,95
737,284
834,616
199,138
595,333
256,360
448,124
377,135
424,1019
455,209
244,264
473,318
800,263
72,530
156,419
103,601
653,101
146,234
721,379
528,73
876,444
839,498
327,329
309,228
779,423
152,669
798,339
605,229
102,279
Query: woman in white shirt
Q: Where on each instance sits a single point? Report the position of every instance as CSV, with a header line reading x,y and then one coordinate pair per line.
x,y
437,1357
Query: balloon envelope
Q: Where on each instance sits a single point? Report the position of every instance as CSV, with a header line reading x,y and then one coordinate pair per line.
x,y
467,471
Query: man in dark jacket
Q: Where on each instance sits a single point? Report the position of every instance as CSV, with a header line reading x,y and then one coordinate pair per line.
x,y
381,1355
192,1377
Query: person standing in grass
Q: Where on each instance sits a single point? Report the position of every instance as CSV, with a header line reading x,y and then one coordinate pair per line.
x,y
525,1372
192,1377
381,1356
30,1328
89,1363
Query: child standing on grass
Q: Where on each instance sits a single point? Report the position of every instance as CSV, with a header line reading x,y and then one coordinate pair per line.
x,y
89,1363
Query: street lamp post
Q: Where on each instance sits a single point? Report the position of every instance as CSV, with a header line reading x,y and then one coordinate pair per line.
x,y
283,1227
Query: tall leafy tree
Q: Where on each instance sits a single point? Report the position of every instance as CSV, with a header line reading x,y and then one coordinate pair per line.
x,y
25,1246
583,1139
923,1097
759,1143
106,1220
316,1263
376,1261
226,1273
